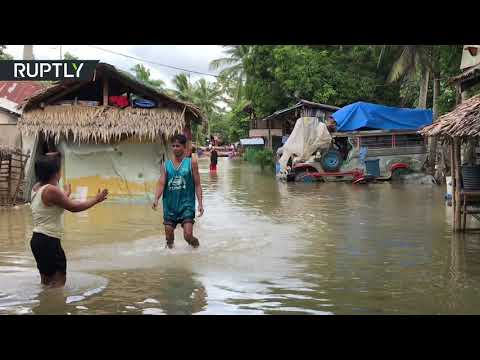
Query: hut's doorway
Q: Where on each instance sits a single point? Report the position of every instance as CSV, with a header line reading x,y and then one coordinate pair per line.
x,y
46,144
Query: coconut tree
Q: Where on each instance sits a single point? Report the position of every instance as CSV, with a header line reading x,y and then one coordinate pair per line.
x,y
143,74
428,61
232,65
207,95
412,59
69,56
4,55
183,88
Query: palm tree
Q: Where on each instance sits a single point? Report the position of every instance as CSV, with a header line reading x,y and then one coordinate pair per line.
x,y
412,59
183,87
425,59
206,96
232,65
68,56
4,55
143,74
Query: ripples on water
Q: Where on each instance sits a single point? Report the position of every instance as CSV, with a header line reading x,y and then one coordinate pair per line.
x,y
266,248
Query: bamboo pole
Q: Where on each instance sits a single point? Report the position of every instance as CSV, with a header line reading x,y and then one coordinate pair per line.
x,y
452,174
458,182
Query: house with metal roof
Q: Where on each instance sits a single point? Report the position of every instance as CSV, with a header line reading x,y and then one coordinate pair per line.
x,y
276,127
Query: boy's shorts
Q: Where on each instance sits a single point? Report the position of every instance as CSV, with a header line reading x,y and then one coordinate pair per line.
x,y
173,223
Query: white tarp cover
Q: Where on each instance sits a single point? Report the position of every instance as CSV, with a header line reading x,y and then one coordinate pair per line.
x,y
308,135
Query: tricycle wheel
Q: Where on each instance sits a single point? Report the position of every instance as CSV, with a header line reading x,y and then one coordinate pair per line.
x,y
332,160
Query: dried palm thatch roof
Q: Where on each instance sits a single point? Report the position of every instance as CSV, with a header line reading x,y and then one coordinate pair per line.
x,y
102,123
468,74
463,121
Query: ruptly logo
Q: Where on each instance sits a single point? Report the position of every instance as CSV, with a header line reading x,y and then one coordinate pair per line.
x,y
47,70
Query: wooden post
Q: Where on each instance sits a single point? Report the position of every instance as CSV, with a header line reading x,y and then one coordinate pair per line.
x,y
9,179
458,97
270,145
452,174
458,182
105,90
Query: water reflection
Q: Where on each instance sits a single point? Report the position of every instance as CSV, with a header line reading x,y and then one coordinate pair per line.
x,y
51,302
180,293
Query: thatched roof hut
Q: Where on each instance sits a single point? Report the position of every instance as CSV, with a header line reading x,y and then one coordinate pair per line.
x,y
43,114
460,126
462,122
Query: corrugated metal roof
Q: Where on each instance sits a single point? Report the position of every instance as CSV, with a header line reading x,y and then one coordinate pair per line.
x,y
17,91
252,141
319,105
303,103
10,106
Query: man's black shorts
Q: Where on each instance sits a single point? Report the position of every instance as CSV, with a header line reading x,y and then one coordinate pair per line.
x,y
49,254
174,223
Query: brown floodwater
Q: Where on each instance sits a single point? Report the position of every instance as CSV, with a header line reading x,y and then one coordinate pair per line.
x,y
266,248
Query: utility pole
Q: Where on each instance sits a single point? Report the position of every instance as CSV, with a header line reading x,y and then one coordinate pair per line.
x,y
60,52
28,52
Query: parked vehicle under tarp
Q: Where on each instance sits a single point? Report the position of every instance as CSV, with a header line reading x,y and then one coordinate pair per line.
x,y
362,115
367,135
308,135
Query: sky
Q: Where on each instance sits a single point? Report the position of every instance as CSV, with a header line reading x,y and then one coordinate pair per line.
x,y
191,57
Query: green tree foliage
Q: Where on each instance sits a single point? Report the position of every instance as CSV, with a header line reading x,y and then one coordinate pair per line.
x,y
272,77
238,122
183,88
449,59
69,56
206,95
3,54
278,76
143,74
232,67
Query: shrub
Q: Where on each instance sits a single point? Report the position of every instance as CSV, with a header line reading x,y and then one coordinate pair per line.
x,y
262,157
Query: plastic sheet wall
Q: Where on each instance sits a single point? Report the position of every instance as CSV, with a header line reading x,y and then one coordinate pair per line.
x,y
129,169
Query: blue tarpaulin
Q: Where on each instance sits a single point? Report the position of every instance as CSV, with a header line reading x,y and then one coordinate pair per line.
x,y
361,115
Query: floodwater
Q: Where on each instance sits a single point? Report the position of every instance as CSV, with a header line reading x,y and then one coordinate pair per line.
x,y
266,248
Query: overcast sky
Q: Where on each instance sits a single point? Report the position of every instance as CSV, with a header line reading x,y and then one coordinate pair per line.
x,y
191,57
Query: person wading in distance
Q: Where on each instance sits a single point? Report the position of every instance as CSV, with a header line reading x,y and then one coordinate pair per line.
x,y
179,182
213,160
48,203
